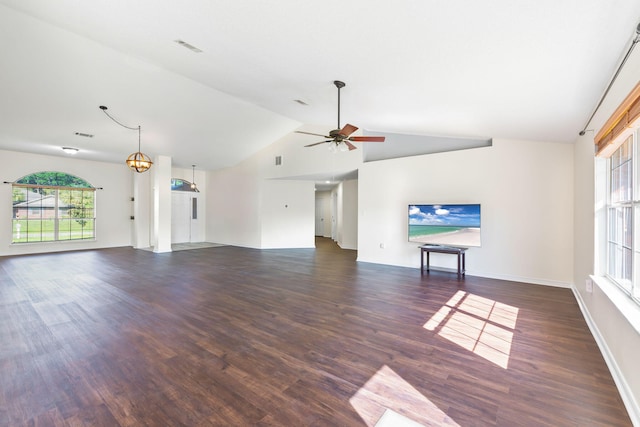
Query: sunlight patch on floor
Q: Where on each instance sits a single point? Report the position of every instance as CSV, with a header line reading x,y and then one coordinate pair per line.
x,y
393,419
480,325
388,390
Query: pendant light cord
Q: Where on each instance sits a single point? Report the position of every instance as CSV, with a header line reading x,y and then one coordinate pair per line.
x,y
104,109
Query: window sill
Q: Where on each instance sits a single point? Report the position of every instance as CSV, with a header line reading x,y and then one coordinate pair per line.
x,y
627,306
51,242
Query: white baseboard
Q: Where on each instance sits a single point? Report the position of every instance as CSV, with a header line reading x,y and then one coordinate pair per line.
x,y
625,392
522,279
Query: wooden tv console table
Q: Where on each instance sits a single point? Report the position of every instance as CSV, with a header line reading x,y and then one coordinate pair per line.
x,y
460,252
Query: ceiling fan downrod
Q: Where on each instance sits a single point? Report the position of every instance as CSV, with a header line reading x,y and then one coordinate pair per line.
x,y
342,136
339,85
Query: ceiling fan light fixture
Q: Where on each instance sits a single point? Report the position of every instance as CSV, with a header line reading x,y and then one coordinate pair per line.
x,y
70,150
340,139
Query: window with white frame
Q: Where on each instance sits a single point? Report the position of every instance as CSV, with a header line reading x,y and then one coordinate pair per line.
x,y
623,215
52,206
620,214
617,142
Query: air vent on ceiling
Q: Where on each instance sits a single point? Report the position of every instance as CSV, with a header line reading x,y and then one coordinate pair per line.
x,y
278,160
86,135
188,46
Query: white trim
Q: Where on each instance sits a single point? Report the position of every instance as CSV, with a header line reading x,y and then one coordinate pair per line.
x,y
625,392
627,307
505,277
521,279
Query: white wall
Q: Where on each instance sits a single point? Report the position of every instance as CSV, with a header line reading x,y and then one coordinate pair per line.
x,y
233,207
348,214
617,335
300,161
526,192
161,178
113,202
525,188
142,204
287,214
243,201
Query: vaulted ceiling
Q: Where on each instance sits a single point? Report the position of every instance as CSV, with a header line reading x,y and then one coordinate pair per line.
x,y
462,68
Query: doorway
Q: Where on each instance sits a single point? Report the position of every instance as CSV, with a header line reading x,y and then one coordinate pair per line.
x,y
323,214
184,217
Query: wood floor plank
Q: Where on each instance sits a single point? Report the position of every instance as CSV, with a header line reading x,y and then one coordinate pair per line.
x,y
228,336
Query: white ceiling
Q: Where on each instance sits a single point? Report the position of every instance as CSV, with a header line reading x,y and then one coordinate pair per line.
x,y
530,69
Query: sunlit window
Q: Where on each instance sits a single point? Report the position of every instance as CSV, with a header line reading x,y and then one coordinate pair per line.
x,y
52,206
480,325
623,216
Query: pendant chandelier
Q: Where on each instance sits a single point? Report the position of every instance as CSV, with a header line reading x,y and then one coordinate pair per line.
x,y
194,187
137,161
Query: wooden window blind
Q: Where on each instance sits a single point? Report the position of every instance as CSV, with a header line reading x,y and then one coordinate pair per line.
x,y
620,120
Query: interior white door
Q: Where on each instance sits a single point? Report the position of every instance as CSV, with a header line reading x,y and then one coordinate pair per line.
x,y
180,217
334,215
320,209
194,217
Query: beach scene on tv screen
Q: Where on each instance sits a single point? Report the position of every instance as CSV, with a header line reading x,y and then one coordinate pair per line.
x,y
455,225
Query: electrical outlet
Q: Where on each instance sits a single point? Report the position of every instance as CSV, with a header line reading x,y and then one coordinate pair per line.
x,y
381,245
588,285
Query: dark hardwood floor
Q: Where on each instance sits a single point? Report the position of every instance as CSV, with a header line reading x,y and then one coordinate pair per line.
x,y
239,337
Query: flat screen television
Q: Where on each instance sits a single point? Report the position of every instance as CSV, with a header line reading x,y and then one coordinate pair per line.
x,y
448,225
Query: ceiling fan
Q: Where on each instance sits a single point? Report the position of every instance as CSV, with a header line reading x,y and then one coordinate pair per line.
x,y
340,138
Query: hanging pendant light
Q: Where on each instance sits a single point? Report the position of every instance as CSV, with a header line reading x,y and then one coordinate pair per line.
x,y
137,161
193,179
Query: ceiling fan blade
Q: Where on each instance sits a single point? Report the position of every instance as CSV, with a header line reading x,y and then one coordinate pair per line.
x,y
318,143
350,145
367,138
314,134
348,130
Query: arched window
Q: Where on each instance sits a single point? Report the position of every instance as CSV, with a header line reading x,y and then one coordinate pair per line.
x,y
178,184
53,206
